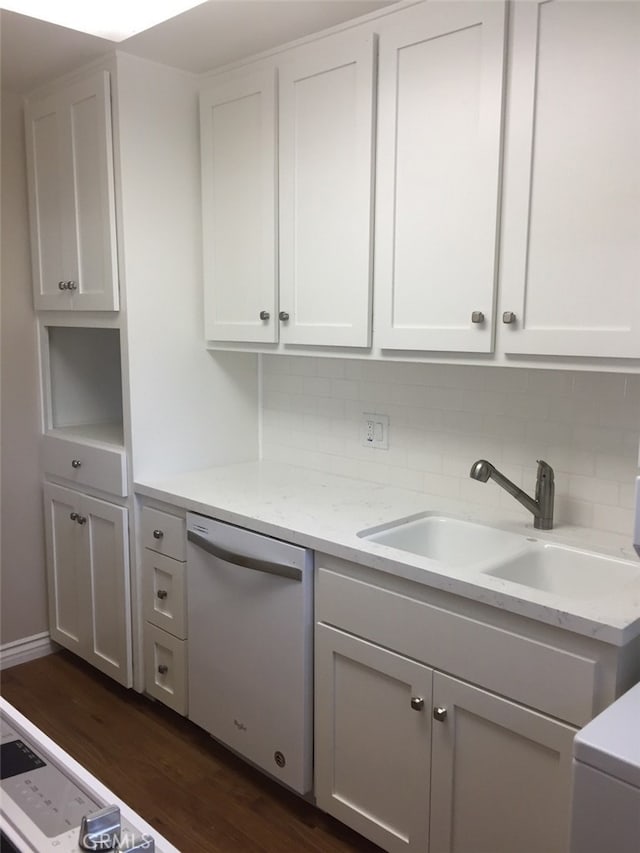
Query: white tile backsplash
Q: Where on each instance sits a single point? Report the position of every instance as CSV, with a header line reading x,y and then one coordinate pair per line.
x,y
444,417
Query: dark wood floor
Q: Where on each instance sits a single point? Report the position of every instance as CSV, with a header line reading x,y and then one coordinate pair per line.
x,y
192,790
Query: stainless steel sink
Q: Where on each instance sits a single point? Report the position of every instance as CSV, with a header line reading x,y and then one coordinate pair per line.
x,y
565,571
448,540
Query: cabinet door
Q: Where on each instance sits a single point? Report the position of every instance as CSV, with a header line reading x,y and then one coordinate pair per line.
x,y
70,170
571,254
500,775
66,580
326,149
437,178
105,552
238,139
372,747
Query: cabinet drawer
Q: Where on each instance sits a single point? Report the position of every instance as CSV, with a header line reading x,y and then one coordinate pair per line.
x,y
165,668
164,595
164,533
83,464
554,680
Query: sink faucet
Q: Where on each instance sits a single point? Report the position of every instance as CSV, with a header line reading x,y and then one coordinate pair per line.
x,y
541,506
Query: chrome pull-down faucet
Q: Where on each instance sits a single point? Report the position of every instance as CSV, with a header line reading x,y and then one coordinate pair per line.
x,y
541,506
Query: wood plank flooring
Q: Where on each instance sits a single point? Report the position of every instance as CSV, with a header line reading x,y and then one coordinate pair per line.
x,y
196,793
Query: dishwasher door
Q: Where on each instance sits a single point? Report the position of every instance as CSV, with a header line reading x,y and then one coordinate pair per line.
x,y
250,646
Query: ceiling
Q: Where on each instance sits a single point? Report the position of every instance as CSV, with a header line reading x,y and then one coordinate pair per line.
x,y
210,35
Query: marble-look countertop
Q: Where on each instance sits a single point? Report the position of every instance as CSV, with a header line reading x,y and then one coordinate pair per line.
x,y
325,512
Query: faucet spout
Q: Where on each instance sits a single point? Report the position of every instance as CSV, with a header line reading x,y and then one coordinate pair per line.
x,y
541,507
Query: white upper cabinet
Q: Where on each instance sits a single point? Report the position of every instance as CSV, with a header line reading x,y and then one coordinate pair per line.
x,y
441,69
238,138
326,154
71,193
571,253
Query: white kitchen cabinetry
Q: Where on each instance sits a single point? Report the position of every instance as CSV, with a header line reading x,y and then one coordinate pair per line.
x,y
326,102
441,68
88,579
373,739
571,215
71,195
500,774
321,294
164,606
238,151
483,763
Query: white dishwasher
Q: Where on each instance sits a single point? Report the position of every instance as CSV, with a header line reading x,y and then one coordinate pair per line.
x,y
250,655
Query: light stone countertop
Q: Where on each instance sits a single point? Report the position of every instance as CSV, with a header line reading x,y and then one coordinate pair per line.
x,y
325,512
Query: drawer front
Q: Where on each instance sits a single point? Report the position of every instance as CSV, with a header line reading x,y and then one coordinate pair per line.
x,y
164,594
553,680
164,533
101,468
165,668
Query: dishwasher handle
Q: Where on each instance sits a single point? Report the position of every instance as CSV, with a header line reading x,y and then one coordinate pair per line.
x,y
256,565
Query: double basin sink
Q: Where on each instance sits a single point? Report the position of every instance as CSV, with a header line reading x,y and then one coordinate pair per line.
x,y
547,567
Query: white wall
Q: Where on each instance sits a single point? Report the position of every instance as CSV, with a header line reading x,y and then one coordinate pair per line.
x,y
24,611
444,417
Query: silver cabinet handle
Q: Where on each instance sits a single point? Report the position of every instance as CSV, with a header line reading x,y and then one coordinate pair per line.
x,y
73,516
508,317
162,594
81,519
440,714
264,315
158,534
477,317
62,285
72,285
76,463
417,703
99,829
163,669
283,316
244,562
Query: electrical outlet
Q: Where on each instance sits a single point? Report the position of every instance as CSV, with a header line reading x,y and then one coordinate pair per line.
x,y
375,430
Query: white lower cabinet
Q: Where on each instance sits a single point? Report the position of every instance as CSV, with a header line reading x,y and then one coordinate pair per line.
x,y
164,606
428,736
88,579
500,774
373,739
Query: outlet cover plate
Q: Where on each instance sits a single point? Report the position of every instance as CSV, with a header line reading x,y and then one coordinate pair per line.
x,y
375,430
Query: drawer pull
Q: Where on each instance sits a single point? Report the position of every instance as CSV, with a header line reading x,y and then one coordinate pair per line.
x,y
158,534
73,516
440,714
81,519
162,594
163,669
417,703
76,463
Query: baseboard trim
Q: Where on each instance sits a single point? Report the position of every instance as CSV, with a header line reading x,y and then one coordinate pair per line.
x,y
26,649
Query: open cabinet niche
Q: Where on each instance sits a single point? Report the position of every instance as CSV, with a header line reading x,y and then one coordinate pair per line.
x,y
84,393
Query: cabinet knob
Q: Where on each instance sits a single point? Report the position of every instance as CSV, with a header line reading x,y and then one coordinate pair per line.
x,y
73,516
158,534
76,463
81,519
283,316
508,317
72,285
100,830
163,669
62,285
417,703
440,714
162,594
264,315
477,317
